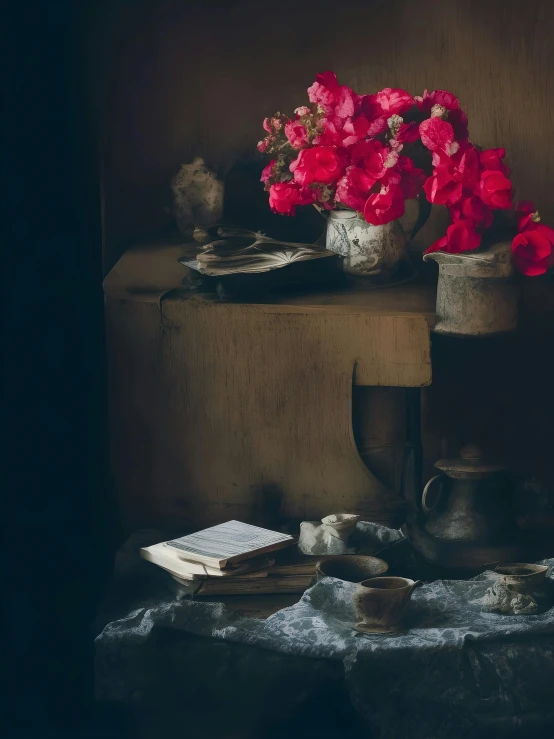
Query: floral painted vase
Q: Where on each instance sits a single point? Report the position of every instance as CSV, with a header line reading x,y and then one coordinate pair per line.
x,y
368,251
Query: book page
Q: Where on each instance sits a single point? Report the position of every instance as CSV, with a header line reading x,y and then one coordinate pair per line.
x,y
227,540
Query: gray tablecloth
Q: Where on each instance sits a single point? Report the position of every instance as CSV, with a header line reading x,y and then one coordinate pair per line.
x,y
454,672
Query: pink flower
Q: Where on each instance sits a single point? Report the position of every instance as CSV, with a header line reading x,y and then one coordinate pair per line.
x,y
491,159
324,90
274,124
332,97
495,190
532,251
460,237
374,157
320,164
296,134
267,172
385,206
285,196
302,110
263,145
353,189
437,134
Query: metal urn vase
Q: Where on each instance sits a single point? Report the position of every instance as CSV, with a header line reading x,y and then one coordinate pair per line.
x,y
477,293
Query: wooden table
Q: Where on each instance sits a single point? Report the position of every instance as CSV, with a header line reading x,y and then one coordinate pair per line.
x,y
233,410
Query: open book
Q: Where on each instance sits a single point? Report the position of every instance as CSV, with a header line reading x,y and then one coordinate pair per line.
x,y
228,543
246,252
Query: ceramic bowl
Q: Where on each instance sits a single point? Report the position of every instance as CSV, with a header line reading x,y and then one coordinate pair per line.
x,y
341,521
350,567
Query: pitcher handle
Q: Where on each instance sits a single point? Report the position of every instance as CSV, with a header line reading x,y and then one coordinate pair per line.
x,y
424,213
322,212
427,509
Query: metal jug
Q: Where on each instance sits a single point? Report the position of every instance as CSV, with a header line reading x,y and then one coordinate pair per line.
x,y
469,501
477,292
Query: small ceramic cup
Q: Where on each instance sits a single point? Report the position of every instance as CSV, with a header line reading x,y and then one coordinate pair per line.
x,y
350,567
379,603
340,525
522,577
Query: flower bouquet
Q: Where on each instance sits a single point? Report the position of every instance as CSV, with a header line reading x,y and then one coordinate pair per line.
x,y
370,153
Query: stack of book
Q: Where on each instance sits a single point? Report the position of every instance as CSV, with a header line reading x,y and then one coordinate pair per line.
x,y
234,558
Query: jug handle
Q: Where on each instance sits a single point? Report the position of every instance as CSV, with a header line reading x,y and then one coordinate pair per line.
x,y
424,213
427,509
416,584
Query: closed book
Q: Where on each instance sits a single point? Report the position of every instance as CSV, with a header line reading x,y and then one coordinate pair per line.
x,y
171,560
253,586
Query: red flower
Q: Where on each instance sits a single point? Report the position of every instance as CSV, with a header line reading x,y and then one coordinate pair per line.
x,y
296,134
267,172
472,209
354,130
353,189
384,206
442,188
374,156
467,167
458,120
437,97
285,196
495,190
407,133
332,97
491,159
319,164
527,214
460,237
412,177
339,132
437,134
389,101
380,107
328,135
532,251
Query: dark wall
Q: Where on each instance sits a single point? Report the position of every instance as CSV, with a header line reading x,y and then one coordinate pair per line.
x,y
178,78
56,517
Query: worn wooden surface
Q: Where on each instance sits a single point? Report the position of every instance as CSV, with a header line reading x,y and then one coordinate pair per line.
x,y
176,79
235,410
